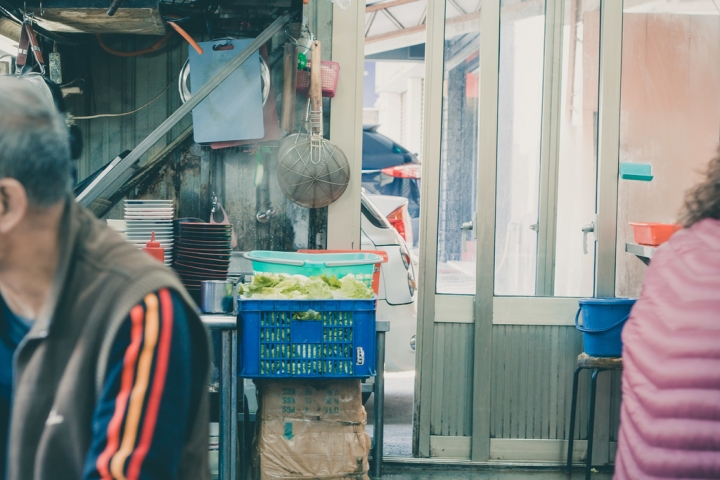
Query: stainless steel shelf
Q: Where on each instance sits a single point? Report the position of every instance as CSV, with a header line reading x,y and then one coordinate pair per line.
x,y
643,252
222,321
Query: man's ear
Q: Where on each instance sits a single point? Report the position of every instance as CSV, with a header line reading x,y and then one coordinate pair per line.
x,y
13,204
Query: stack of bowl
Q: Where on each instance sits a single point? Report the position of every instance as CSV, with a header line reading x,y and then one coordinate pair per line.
x,y
202,252
143,217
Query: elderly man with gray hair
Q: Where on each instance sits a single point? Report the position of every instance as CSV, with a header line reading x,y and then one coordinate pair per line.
x,y
103,359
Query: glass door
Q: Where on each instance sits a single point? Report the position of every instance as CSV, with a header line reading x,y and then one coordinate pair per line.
x,y
510,227
448,244
456,242
546,154
547,149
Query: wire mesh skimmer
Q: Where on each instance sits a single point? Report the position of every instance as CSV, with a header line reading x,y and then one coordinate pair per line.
x,y
313,172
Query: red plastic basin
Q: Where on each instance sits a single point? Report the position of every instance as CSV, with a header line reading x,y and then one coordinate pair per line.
x,y
653,234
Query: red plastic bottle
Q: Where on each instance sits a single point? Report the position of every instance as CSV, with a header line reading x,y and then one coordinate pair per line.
x,y
153,248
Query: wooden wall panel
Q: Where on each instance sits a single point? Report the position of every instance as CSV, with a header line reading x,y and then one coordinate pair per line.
x,y
114,85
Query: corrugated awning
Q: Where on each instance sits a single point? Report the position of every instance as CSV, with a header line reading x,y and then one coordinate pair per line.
x,y
394,24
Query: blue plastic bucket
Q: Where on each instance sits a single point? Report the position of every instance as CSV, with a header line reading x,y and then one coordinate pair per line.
x,y
603,321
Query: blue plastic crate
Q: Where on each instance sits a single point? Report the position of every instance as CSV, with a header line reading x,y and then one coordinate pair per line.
x,y
337,342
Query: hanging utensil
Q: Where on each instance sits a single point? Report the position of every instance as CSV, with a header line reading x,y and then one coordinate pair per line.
x,y
232,111
292,140
184,89
313,172
216,206
290,65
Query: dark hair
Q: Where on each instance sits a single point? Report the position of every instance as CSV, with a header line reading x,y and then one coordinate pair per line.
x,y
34,142
703,200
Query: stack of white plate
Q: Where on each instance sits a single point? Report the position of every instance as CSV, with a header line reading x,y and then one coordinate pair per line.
x,y
118,226
143,217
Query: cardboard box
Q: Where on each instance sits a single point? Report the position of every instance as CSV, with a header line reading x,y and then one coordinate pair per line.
x,y
311,429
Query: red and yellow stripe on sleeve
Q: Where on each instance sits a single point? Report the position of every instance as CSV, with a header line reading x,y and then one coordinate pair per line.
x,y
144,372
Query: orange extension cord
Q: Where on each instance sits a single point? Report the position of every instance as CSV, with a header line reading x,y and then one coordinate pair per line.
x,y
135,53
187,37
153,48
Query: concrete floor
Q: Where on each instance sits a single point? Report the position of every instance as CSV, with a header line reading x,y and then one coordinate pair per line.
x,y
399,388
417,472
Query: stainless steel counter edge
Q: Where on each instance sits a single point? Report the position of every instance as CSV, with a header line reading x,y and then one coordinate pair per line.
x,y
221,321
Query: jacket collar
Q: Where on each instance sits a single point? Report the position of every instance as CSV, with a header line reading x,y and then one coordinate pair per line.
x,y
67,234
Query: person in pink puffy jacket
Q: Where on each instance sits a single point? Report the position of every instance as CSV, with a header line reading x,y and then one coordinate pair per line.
x,y
670,415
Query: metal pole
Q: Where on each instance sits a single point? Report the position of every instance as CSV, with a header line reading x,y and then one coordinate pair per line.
x,y
591,423
608,149
233,406
89,195
379,411
573,413
226,396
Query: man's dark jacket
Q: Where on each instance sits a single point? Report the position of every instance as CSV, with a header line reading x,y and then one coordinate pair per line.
x,y
60,365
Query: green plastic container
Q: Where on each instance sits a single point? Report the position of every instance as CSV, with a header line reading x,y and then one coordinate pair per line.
x,y
359,265
636,171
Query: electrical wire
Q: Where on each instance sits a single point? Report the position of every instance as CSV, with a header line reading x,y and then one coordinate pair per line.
x,y
177,19
10,15
189,10
103,115
136,53
73,82
295,42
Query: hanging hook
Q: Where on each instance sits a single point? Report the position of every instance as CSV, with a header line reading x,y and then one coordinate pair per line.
x,y
112,9
214,202
224,46
264,217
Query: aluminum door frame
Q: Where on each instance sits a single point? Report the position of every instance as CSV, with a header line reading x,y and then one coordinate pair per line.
x,y
429,214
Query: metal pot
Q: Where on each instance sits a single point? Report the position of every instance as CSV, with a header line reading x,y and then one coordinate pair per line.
x,y
217,296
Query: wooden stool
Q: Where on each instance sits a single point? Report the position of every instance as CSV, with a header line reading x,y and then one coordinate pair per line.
x,y
597,365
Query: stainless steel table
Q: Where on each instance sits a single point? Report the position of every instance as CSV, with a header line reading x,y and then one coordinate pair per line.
x,y
227,454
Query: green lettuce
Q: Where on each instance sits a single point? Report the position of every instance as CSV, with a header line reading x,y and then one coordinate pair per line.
x,y
351,288
331,281
300,287
309,315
